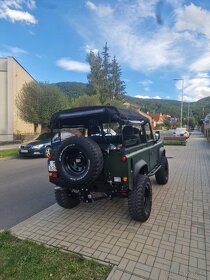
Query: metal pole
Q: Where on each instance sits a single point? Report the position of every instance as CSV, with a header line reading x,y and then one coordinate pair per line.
x,y
188,116
181,99
182,102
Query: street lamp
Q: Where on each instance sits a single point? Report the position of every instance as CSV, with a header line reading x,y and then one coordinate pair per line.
x,y
181,99
188,117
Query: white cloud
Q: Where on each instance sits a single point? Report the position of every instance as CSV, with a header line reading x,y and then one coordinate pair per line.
x,y
100,10
16,50
202,63
146,8
132,32
124,30
146,83
89,48
193,18
147,97
11,51
72,65
194,88
13,10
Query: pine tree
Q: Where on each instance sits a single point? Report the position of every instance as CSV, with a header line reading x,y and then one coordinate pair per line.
x,y
95,75
104,78
106,73
117,86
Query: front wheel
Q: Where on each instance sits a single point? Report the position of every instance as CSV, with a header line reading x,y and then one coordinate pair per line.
x,y
66,199
140,199
163,173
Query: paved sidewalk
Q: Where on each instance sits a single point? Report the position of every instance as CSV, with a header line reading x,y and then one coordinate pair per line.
x,y
9,146
173,244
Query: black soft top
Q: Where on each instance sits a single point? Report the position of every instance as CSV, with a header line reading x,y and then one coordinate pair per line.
x,y
84,116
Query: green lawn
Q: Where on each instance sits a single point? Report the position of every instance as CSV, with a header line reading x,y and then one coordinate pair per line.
x,y
8,153
26,260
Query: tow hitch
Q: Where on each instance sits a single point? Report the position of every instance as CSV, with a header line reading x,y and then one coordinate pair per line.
x,y
88,197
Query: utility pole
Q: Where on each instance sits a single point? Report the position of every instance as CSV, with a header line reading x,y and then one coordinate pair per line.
x,y
181,114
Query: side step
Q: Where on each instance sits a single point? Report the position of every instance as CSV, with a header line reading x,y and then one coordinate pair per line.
x,y
154,171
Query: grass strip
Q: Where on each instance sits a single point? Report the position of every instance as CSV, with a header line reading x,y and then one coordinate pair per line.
x,y
8,153
24,260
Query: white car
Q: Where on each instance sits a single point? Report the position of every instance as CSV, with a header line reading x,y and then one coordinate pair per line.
x,y
181,131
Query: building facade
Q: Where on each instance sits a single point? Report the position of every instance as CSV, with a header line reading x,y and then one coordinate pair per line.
x,y
12,78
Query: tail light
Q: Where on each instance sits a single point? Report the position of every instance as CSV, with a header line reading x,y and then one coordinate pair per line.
x,y
123,158
53,174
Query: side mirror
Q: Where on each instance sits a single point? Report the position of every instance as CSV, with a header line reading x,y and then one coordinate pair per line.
x,y
157,135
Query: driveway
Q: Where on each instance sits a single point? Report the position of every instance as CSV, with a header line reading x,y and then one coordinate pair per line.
x,y
173,244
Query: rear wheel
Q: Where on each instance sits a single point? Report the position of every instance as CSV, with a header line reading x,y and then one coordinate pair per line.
x,y
140,199
66,199
163,173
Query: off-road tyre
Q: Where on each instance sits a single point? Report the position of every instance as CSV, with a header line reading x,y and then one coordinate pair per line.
x,y
140,199
79,161
66,199
163,173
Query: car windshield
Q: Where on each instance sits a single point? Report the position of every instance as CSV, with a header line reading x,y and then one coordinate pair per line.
x,y
45,136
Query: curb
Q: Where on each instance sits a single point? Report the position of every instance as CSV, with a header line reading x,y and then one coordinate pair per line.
x,y
110,276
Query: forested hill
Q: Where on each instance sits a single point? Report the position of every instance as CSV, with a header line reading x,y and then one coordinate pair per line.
x,y
172,107
153,106
164,106
72,89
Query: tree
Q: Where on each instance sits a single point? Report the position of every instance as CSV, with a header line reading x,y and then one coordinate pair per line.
x,y
106,75
117,86
38,101
86,100
95,76
104,78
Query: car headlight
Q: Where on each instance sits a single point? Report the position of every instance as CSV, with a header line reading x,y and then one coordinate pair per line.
x,y
38,146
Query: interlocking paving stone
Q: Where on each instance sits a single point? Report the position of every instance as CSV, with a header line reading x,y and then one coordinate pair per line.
x,y
173,244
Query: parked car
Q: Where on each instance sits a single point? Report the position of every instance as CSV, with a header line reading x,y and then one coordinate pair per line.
x,y
42,145
181,131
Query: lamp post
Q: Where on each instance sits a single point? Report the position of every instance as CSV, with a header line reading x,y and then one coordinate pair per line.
x,y
188,117
181,99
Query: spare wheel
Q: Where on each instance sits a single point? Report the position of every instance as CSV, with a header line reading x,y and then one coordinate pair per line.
x,y
79,161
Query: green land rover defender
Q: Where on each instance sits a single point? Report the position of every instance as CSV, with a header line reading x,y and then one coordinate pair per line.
x,y
113,152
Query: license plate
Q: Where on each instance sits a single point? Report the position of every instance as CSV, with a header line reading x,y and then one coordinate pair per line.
x,y
51,166
24,151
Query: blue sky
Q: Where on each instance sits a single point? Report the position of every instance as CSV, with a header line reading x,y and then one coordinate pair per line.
x,y
154,41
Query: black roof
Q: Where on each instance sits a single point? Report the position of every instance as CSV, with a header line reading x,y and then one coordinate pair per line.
x,y
83,116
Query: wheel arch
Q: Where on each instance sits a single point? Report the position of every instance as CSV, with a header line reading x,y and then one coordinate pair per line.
x,y
141,167
162,152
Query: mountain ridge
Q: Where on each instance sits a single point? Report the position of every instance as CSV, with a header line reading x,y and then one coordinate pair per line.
x,y
197,109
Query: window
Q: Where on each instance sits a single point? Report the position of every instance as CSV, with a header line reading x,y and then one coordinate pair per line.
x,y
148,132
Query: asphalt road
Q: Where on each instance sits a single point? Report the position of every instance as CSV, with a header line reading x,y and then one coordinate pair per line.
x,y
24,190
